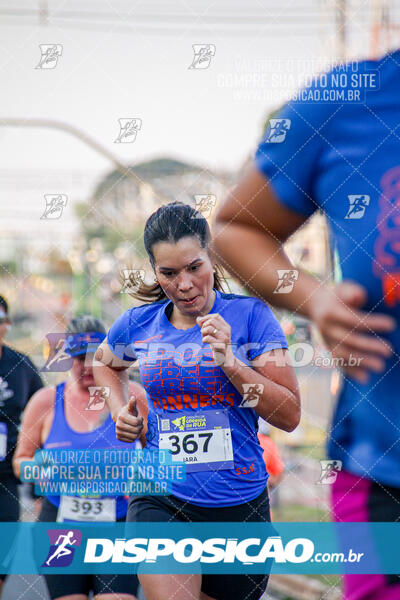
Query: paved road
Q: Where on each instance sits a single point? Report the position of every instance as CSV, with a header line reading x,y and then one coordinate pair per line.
x,y
24,587
28,587
32,587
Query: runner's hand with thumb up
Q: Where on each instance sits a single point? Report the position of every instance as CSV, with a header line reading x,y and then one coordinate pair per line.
x,y
128,424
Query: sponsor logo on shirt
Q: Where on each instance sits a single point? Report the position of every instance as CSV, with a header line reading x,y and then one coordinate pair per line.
x,y
186,423
179,423
5,392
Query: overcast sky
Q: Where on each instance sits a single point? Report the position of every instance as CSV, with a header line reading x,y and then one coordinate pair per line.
x,y
130,59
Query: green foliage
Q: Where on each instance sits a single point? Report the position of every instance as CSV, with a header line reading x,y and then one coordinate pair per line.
x,y
8,268
296,513
111,236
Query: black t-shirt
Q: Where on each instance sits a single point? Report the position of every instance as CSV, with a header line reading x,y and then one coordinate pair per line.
x,y
19,380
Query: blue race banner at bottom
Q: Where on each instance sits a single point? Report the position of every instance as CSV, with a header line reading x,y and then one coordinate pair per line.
x,y
358,548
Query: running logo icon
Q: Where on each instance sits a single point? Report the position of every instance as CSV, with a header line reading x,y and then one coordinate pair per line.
x,y
55,203
58,360
180,423
128,129
203,54
286,280
329,471
133,279
50,53
98,396
357,206
204,203
5,391
251,394
62,547
278,129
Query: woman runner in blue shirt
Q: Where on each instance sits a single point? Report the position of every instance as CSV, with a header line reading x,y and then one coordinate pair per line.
x,y
203,353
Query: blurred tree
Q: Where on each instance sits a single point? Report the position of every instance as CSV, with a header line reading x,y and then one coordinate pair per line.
x,y
119,207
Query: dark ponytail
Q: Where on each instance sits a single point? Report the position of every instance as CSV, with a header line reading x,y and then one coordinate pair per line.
x,y
170,223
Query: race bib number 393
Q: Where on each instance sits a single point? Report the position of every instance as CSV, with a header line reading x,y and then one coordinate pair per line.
x,y
77,508
202,440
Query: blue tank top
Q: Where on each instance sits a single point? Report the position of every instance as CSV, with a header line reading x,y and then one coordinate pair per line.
x,y
62,436
194,409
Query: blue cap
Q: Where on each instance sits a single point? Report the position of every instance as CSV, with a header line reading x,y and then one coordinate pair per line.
x,y
77,343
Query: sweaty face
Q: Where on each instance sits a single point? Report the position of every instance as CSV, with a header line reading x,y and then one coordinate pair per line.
x,y
185,273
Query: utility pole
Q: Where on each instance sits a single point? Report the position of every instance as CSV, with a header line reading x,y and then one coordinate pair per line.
x,y
381,28
341,29
43,12
76,132
375,28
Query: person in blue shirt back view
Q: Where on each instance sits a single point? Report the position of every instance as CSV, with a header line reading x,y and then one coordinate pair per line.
x,y
203,359
339,154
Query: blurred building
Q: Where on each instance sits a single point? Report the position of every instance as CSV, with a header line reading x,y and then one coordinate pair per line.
x,y
121,203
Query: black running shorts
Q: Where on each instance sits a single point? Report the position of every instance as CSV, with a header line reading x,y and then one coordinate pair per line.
x,y
169,508
65,585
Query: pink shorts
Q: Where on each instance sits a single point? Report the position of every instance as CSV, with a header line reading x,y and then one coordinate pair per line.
x,y
357,499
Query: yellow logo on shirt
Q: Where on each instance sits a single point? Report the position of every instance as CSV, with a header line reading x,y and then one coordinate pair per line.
x,y
180,423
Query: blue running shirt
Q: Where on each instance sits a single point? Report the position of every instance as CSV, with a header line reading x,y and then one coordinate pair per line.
x,y
344,159
193,407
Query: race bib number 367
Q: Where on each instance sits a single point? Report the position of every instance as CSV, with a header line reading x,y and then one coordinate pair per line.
x,y
203,440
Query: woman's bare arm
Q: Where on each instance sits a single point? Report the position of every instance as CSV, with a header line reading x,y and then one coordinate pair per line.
x,y
252,218
111,372
279,400
33,419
